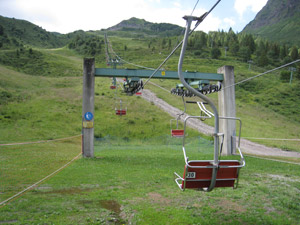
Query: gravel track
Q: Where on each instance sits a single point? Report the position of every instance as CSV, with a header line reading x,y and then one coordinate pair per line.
x,y
247,146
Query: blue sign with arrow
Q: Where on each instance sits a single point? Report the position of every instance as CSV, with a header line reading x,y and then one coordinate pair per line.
x,y
88,116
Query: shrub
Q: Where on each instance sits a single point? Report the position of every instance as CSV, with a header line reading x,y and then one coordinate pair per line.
x,y
215,53
285,75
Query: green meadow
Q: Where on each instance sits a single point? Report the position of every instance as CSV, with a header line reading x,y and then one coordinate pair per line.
x,y
131,180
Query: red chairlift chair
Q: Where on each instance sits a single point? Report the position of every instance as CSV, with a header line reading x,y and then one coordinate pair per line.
x,y
120,110
206,174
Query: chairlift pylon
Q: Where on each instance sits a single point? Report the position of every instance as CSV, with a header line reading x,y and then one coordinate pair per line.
x,y
206,174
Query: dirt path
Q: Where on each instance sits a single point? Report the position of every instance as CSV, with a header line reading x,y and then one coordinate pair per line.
x,y
246,146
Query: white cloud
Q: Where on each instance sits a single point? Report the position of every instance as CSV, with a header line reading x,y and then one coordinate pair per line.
x,y
69,15
254,5
211,23
229,21
177,4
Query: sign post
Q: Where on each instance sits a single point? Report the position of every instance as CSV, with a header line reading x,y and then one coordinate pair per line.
x,y
88,107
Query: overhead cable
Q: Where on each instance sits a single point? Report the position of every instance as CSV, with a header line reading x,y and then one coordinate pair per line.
x,y
42,141
269,71
195,7
200,19
38,183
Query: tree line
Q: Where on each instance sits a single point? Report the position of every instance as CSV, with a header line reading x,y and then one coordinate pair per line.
x,y
244,47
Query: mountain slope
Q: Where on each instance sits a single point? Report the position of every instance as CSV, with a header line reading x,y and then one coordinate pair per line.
x,y
144,27
278,21
27,33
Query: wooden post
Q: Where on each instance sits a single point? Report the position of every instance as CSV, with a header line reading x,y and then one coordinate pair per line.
x,y
88,94
226,99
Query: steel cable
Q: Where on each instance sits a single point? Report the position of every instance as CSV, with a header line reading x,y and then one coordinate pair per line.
x,y
200,19
269,71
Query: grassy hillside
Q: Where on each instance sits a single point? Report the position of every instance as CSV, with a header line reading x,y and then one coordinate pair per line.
x,y
276,101
40,63
26,33
130,181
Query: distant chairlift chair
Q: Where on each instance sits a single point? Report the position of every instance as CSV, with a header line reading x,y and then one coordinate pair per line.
x,y
175,131
114,83
121,110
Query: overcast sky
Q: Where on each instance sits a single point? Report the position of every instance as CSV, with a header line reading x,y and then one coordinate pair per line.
x,y
66,16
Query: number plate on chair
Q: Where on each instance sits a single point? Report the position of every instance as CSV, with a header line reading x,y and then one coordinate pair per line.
x,y
191,175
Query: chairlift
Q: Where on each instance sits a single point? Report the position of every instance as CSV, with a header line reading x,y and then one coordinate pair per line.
x,y
114,83
206,174
202,86
120,110
132,85
176,131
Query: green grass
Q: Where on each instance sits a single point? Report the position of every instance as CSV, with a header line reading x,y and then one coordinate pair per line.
x,y
39,107
24,165
131,178
41,63
132,183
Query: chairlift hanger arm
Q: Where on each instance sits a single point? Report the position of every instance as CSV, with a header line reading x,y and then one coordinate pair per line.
x,y
182,78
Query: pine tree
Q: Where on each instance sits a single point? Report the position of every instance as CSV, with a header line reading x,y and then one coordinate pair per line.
x,y
245,53
294,53
232,42
283,52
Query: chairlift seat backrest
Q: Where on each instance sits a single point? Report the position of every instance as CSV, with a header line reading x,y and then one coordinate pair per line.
x,y
196,178
120,112
177,133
